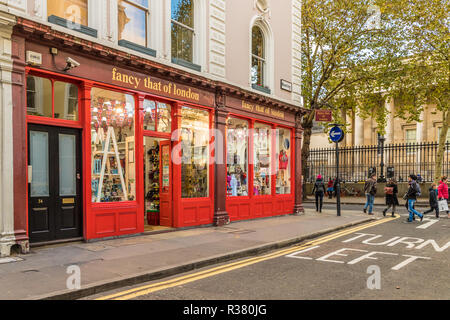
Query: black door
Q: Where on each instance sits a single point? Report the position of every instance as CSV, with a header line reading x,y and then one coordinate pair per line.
x,y
54,188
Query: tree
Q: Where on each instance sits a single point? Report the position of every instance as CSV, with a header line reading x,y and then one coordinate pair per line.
x,y
424,74
347,58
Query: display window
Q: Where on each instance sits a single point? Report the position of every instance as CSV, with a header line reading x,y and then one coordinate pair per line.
x,y
157,116
51,99
283,161
237,157
262,148
195,138
113,146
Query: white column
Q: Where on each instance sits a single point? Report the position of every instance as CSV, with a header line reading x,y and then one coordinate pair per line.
x,y
420,127
359,131
7,238
390,107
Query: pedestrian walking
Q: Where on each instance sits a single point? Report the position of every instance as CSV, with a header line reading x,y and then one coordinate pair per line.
x,y
433,199
411,196
370,189
335,182
319,191
330,188
391,191
443,191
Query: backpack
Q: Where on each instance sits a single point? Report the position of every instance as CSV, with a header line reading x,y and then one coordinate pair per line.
x,y
320,186
389,190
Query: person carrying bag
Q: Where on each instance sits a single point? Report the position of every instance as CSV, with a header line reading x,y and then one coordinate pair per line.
x,y
443,195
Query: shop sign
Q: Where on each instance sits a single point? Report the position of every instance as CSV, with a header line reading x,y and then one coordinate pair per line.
x,y
324,116
256,108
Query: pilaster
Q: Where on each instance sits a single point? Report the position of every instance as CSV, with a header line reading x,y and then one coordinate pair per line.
x,y
298,207
7,238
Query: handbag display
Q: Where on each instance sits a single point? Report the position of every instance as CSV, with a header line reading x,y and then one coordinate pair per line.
x,y
443,205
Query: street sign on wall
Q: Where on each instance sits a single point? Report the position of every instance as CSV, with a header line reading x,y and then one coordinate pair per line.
x,y
324,116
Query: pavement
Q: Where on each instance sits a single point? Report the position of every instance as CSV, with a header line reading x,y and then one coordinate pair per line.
x,y
44,273
362,200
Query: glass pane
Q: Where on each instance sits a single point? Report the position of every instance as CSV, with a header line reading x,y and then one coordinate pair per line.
x,y
39,97
66,101
237,157
72,10
113,144
195,153
39,163
257,72
257,42
149,115
283,141
164,118
182,43
262,161
132,23
67,165
151,174
183,12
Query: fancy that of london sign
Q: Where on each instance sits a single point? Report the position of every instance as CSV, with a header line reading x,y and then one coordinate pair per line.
x,y
158,87
262,110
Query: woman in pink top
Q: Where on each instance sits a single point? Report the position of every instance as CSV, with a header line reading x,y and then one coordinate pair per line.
x,y
443,190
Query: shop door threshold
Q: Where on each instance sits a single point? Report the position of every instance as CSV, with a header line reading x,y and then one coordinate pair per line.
x,y
53,242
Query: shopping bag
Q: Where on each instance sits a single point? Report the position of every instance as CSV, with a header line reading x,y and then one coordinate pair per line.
x,y
443,205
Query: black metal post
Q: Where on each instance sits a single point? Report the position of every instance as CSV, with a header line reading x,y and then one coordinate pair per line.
x,y
382,178
338,182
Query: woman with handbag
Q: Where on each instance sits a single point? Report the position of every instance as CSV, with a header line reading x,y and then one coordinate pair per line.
x,y
443,191
391,191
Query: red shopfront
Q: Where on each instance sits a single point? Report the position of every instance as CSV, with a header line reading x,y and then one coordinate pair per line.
x,y
122,141
260,160
120,145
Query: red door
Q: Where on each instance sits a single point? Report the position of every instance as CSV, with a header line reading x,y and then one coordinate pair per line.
x,y
165,201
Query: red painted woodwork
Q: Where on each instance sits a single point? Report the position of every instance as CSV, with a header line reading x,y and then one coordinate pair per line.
x,y
165,193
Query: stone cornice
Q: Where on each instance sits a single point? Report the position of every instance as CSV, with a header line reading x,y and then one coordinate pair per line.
x,y
38,32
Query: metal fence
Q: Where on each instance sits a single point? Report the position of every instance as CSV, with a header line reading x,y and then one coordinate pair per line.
x,y
355,163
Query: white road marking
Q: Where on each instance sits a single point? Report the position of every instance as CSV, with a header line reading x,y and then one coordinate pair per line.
x,y
294,255
428,224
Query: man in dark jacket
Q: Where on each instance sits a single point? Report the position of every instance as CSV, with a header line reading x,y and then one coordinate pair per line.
x,y
411,196
433,200
370,189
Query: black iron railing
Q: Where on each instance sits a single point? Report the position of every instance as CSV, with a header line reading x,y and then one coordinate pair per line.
x,y
355,163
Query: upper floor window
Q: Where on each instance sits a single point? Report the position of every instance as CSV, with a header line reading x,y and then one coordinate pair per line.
x,y
75,11
183,31
258,57
133,21
411,135
439,135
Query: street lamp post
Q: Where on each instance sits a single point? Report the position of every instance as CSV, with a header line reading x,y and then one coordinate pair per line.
x,y
381,140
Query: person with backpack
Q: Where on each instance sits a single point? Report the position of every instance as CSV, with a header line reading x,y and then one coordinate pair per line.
x,y
443,191
319,191
433,199
391,191
411,196
330,188
370,189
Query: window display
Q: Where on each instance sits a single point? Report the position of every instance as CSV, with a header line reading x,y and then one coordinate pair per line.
x,y
262,161
162,123
237,157
112,140
283,156
195,140
152,179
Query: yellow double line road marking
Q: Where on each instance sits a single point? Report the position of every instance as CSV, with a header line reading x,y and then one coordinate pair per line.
x,y
147,289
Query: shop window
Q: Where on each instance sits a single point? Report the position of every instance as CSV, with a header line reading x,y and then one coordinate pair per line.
x,y
258,57
113,146
195,153
262,159
161,123
283,160
75,11
39,97
182,32
237,157
133,21
66,101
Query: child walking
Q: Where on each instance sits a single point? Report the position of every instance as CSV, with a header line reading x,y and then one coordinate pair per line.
x,y
433,200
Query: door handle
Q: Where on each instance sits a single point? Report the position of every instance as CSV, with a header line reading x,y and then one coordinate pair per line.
x,y
78,176
30,174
